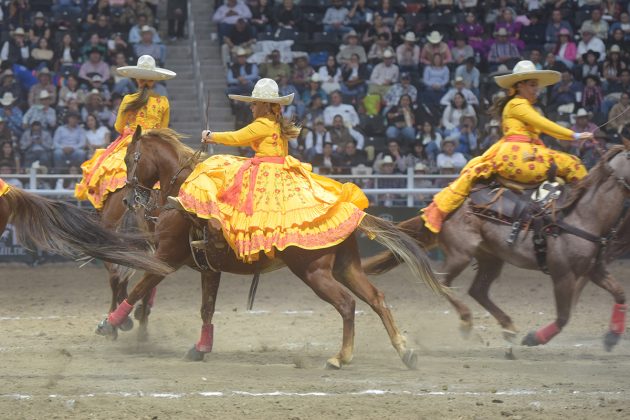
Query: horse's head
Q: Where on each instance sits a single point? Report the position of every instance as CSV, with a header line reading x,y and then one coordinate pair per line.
x,y
142,173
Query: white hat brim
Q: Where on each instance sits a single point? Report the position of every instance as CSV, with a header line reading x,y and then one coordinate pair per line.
x,y
282,100
146,74
544,77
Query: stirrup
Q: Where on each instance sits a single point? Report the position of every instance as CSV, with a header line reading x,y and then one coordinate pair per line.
x,y
175,203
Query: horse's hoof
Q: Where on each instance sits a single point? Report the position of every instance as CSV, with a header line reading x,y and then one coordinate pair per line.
x,y
530,340
127,324
465,328
194,355
143,335
610,340
509,335
137,313
107,330
333,363
410,359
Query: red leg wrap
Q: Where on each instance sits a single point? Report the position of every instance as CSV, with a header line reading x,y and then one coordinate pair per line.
x,y
205,342
152,297
118,316
547,333
618,318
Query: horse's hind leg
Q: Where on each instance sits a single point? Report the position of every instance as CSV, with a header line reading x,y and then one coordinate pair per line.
x,y
601,277
489,269
209,289
348,271
455,262
315,269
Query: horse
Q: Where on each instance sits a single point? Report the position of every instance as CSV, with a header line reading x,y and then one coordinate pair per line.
x,y
576,252
68,230
159,155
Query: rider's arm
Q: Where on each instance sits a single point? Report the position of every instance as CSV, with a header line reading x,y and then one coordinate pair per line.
x,y
526,113
167,114
120,118
245,136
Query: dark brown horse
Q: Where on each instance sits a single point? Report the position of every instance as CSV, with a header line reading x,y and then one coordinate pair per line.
x,y
158,155
594,206
65,229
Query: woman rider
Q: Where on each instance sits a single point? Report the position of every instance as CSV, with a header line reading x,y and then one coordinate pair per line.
x,y
106,171
271,201
520,155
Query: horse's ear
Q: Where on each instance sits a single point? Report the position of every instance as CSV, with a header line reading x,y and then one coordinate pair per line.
x,y
136,134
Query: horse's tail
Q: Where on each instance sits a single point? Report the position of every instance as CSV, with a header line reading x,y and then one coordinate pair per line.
x,y
400,246
65,229
386,260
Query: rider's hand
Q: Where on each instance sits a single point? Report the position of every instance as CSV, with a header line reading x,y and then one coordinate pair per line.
x,y
206,136
585,136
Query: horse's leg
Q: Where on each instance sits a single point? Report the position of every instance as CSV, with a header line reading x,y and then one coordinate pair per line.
x,y
564,286
602,277
209,289
315,269
488,271
454,263
348,271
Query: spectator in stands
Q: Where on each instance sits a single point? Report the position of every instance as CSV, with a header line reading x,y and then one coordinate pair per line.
x,y
226,16
42,112
302,72
435,79
314,88
533,35
354,76
474,32
470,75
379,27
133,8
493,135
340,134
503,51
100,7
5,133
122,85
66,54
96,83
435,46
459,87
454,111
398,32
597,24
623,24
336,18
553,27
288,16
565,50
418,155
590,42
431,139
70,143
241,35
9,84
460,51
71,8
262,15
582,121
352,47
449,159
135,33
467,143
351,156
11,113
7,154
97,135
387,166
614,91
384,75
43,84
404,87
177,12
360,15
16,49
71,90
40,28
408,53
592,95
95,104
6,169
297,108
273,67
102,28
92,43
42,55
316,139
387,12
616,120
513,28
401,122
330,75
592,151
336,107
95,64
565,92
314,111
147,46
375,55
241,75
68,183
327,162
535,57
36,144
613,65
394,151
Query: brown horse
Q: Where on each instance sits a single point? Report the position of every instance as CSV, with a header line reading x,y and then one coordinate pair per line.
x,y
572,259
65,229
158,155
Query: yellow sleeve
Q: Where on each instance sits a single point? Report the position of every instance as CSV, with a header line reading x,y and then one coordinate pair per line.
x,y
167,114
246,135
526,113
120,118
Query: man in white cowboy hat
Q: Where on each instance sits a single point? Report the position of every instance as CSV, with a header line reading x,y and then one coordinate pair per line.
x,y
581,121
336,18
435,45
351,47
503,51
44,83
384,74
590,42
408,53
458,86
11,113
8,83
241,75
600,26
42,112
147,46
16,49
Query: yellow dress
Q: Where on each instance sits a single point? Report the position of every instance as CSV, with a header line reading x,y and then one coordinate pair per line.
x,y
106,171
271,201
4,187
520,156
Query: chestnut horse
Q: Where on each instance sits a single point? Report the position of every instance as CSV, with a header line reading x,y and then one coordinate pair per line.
x,y
573,258
65,229
158,155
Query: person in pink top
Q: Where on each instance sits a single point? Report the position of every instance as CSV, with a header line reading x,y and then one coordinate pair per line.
x,y
566,50
435,46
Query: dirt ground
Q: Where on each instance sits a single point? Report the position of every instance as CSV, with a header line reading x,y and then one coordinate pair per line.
x,y
269,363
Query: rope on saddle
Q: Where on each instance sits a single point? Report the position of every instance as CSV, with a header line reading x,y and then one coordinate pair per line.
x,y
252,291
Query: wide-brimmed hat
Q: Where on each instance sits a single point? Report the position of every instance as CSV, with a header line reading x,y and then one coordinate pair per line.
x,y
6,73
388,53
434,37
44,94
614,49
350,34
410,36
494,123
146,28
43,71
501,32
582,113
39,15
315,77
96,78
146,70
595,53
420,167
19,31
526,70
7,99
564,31
387,159
240,51
453,138
265,90
587,29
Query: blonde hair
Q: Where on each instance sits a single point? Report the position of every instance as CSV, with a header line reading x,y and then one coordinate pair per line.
x,y
140,100
288,128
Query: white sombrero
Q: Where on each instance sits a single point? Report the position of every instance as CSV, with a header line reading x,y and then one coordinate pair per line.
x,y
265,90
525,70
146,70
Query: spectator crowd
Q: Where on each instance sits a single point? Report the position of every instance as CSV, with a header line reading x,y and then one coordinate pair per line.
x,y
385,86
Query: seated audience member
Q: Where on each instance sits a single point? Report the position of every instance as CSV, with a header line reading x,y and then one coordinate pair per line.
x,y
327,162
393,151
42,112
341,134
241,75
315,140
449,158
336,107
401,122
350,156
36,144
70,143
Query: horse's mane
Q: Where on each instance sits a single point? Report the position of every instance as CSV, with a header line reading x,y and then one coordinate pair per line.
x,y
173,138
595,176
